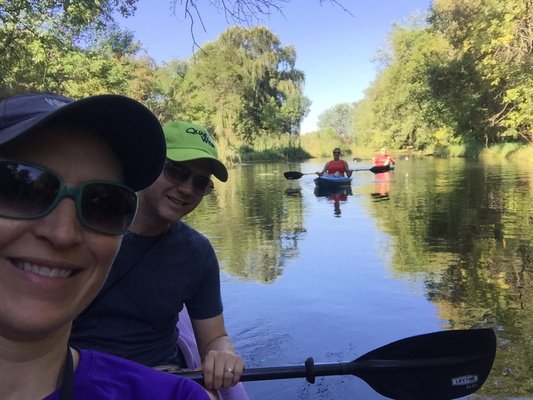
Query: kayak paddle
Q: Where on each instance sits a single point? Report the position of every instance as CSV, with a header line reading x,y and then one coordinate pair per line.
x,y
375,169
438,366
296,175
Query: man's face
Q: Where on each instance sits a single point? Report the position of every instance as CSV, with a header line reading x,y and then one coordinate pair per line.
x,y
168,200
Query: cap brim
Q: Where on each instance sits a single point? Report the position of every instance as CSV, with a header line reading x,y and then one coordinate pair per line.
x,y
133,131
219,169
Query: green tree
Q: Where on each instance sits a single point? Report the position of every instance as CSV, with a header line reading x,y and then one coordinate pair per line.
x,y
73,48
492,43
339,119
399,108
245,83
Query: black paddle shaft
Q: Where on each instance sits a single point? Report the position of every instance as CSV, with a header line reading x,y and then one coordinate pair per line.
x,y
438,366
296,174
376,169
290,175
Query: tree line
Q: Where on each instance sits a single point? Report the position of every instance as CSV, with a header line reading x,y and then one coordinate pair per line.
x,y
243,86
463,75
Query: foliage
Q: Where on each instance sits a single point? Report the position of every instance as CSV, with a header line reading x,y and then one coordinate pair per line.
x,y
295,154
321,143
398,109
44,45
244,85
462,79
500,151
264,155
493,43
465,78
338,118
523,156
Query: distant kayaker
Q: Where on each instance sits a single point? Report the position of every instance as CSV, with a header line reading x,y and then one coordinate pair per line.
x,y
336,166
383,159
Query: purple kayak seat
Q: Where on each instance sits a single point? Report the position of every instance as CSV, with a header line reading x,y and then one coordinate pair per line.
x,y
187,345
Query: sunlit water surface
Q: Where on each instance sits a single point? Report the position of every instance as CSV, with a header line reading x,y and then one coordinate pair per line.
x,y
434,245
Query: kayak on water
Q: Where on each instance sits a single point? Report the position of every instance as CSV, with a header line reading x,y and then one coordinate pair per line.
x,y
332,181
189,349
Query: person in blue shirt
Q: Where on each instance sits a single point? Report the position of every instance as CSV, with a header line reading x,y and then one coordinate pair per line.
x,y
164,264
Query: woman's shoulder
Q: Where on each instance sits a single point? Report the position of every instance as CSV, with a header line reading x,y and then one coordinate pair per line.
x,y
103,376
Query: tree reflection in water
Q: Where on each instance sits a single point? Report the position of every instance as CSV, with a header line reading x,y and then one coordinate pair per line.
x,y
459,232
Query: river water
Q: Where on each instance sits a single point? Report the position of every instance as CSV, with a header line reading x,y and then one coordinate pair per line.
x,y
437,244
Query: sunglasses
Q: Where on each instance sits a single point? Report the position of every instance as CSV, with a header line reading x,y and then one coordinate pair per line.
x,y
179,173
29,191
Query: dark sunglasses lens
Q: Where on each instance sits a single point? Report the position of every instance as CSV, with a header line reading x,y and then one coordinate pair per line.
x,y
108,208
202,184
177,173
26,191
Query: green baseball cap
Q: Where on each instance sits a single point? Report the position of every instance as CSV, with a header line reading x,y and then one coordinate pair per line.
x,y
187,141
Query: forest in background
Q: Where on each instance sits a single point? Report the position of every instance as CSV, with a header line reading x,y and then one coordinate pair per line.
x,y
459,78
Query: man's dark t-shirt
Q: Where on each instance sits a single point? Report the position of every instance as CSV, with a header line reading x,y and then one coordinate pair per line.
x,y
135,314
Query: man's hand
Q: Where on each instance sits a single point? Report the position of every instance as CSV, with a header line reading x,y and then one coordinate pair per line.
x,y
222,369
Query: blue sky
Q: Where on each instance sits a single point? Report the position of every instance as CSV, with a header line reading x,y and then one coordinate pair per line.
x,y
334,49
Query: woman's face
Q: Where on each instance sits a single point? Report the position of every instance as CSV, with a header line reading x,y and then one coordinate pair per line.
x,y
52,267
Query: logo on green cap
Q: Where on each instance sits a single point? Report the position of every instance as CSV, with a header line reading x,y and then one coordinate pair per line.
x,y
204,135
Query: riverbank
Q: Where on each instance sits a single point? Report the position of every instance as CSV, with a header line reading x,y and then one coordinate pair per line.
x,y
510,151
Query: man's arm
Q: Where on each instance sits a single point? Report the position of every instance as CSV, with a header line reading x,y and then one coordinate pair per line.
x,y
221,367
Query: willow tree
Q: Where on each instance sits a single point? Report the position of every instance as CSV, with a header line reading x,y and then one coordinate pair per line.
x,y
245,84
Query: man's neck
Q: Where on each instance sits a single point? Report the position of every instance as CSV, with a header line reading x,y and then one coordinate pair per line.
x,y
148,226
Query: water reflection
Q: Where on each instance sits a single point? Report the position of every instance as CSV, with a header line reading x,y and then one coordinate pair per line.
x,y
336,196
454,235
382,186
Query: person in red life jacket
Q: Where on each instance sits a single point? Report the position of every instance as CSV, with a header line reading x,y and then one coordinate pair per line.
x,y
336,166
383,159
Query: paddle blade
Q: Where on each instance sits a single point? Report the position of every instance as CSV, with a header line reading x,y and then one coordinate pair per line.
x,y
379,169
292,175
436,366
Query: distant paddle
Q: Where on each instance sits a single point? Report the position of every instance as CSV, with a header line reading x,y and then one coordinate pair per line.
x,y
437,366
297,175
377,169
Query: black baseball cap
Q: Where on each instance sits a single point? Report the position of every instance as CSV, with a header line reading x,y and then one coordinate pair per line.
x,y
132,130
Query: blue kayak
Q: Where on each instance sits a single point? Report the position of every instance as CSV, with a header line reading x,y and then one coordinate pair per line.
x,y
332,181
